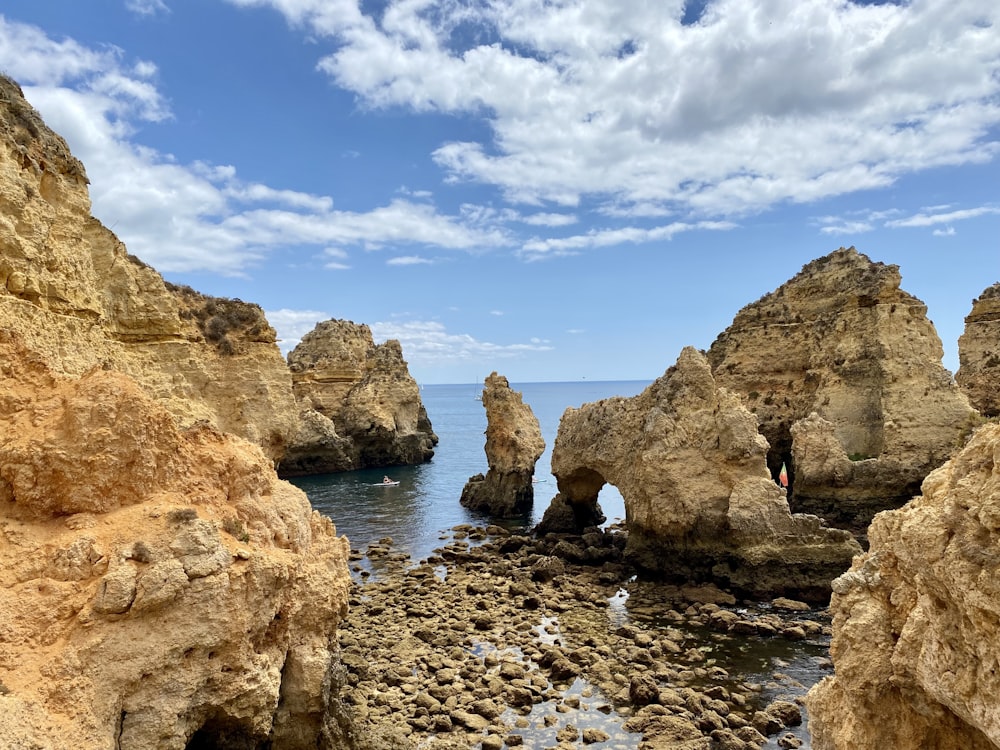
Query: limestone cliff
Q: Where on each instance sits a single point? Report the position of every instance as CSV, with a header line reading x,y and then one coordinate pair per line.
x,y
74,294
843,341
915,632
979,353
359,405
514,444
159,587
700,504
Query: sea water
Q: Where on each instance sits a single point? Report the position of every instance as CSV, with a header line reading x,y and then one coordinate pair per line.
x,y
419,512
425,504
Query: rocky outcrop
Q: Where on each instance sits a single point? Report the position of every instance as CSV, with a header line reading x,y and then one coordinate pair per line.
x,y
915,629
979,353
70,289
514,444
700,504
159,587
359,405
843,341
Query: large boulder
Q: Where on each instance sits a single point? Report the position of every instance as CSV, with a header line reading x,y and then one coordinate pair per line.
x,y
360,407
916,621
72,292
843,341
159,586
979,353
700,504
514,444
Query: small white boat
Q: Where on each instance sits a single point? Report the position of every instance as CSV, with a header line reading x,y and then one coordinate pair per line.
x,y
385,484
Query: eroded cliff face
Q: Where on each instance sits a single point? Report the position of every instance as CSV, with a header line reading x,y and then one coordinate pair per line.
x,y
915,630
843,341
514,444
70,289
159,587
700,504
359,405
979,353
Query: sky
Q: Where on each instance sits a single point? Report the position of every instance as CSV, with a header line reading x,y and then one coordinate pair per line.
x,y
554,190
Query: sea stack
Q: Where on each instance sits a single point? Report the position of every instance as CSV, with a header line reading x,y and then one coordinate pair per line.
x,y
843,342
700,503
359,405
513,446
979,353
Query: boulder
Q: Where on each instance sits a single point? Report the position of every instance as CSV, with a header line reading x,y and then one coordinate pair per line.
x,y
360,407
915,621
700,503
513,446
979,353
843,341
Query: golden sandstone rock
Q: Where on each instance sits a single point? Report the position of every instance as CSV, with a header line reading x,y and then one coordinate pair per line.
x,y
979,353
157,584
514,444
915,641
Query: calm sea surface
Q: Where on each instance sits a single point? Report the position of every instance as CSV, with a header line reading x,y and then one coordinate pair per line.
x,y
426,501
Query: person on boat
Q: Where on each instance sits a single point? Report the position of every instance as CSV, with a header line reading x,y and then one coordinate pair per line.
x,y
386,480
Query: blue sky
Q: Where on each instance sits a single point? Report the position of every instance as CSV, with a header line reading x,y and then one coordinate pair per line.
x,y
554,190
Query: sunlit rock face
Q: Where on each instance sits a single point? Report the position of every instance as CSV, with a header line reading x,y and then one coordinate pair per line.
x,y
842,341
915,631
160,587
70,289
700,504
360,407
514,444
979,353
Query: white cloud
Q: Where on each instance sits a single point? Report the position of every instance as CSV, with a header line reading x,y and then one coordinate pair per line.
x,y
757,104
947,232
924,219
550,220
147,7
292,325
537,248
832,225
199,216
409,260
428,343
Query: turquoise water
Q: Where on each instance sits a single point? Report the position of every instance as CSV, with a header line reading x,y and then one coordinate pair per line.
x,y
426,501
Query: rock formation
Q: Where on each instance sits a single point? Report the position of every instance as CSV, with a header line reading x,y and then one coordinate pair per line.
x,y
979,353
159,586
513,446
74,294
843,341
700,504
916,644
359,405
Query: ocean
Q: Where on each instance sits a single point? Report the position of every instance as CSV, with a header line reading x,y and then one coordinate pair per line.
x,y
426,502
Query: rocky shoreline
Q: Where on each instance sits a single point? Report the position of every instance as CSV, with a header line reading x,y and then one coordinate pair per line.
x,y
497,640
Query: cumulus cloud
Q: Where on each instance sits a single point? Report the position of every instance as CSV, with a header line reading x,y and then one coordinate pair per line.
x,y
932,218
429,343
197,216
631,104
147,7
292,325
538,248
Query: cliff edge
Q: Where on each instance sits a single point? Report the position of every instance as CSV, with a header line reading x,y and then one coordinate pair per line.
x,y
915,621
75,296
159,587
979,353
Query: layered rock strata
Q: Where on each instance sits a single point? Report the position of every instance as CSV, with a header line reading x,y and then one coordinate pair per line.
x,y
360,407
915,621
159,587
699,501
843,341
979,353
514,444
69,287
